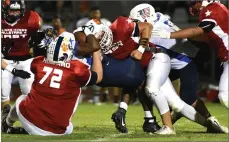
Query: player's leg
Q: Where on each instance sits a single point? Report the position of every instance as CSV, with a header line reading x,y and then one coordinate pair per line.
x,y
25,84
188,92
9,117
119,116
157,73
188,111
223,85
96,91
150,124
7,78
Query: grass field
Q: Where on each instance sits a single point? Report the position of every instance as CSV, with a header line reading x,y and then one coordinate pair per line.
x,y
93,123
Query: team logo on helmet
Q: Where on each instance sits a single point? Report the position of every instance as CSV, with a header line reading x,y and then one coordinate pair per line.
x,y
144,13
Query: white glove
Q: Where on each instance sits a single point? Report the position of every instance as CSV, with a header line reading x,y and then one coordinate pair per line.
x,y
159,33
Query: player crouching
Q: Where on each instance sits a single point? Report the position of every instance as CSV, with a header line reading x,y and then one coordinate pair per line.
x,y
53,99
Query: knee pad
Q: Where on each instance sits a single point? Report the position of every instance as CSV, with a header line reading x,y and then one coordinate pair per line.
x,y
150,91
176,104
223,97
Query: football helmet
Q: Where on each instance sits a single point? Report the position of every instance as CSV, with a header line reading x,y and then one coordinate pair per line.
x,y
101,32
13,10
196,5
143,13
61,49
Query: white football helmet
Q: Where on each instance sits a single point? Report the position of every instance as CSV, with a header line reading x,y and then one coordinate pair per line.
x,y
106,22
61,49
144,13
102,32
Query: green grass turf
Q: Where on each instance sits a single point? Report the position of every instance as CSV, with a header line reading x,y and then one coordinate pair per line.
x,y
93,123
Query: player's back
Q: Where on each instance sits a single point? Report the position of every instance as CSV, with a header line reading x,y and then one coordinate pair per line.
x,y
123,30
54,94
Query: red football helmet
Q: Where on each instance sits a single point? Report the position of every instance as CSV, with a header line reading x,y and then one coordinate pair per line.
x,y
13,10
196,5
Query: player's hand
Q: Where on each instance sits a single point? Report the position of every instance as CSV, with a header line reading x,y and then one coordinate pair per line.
x,y
136,54
161,33
21,73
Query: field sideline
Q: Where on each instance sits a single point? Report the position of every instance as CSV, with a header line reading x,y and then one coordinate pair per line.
x,y
93,123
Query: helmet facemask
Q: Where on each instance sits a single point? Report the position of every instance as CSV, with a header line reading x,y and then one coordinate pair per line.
x,y
105,37
13,10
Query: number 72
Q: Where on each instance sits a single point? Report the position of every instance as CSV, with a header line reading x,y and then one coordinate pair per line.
x,y
55,80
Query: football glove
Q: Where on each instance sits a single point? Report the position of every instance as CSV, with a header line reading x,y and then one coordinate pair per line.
x,y
21,73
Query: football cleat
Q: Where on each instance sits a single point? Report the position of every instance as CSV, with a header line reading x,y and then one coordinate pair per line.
x,y
5,112
165,130
213,126
118,118
150,125
175,116
16,130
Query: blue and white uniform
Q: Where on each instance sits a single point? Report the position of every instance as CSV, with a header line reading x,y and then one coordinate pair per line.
x,y
182,65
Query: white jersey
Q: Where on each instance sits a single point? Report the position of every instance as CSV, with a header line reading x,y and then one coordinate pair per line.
x,y
178,59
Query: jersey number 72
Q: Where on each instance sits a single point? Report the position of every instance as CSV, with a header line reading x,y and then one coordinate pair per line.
x,y
55,80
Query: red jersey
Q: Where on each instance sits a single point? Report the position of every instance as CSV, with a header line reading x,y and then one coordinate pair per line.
x,y
218,37
54,94
20,32
125,40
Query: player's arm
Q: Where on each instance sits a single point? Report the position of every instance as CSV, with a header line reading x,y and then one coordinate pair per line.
x,y
97,66
192,33
19,73
144,31
96,70
87,42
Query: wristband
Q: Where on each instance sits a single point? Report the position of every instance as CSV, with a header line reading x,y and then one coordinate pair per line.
x,y
9,68
141,49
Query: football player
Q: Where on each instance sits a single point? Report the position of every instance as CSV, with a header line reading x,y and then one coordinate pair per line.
x,y
18,24
58,80
182,66
214,25
118,45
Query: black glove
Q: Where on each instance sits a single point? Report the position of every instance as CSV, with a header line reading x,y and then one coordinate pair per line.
x,y
40,41
21,73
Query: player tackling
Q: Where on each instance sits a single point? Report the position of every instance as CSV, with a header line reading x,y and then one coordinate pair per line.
x,y
214,24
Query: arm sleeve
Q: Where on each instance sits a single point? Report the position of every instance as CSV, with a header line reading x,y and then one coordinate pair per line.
x,y
93,78
207,26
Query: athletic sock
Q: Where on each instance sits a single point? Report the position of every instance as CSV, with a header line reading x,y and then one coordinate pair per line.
x,y
123,105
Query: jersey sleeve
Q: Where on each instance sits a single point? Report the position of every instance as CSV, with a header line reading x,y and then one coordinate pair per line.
x,y
211,13
34,21
124,27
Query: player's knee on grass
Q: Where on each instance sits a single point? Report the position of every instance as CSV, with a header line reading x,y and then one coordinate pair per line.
x,y
223,97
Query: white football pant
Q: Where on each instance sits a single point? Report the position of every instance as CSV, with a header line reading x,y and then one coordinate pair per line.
x,y
157,73
223,85
7,78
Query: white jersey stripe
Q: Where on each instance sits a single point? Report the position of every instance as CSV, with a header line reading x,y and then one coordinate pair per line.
x,y
211,20
222,35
